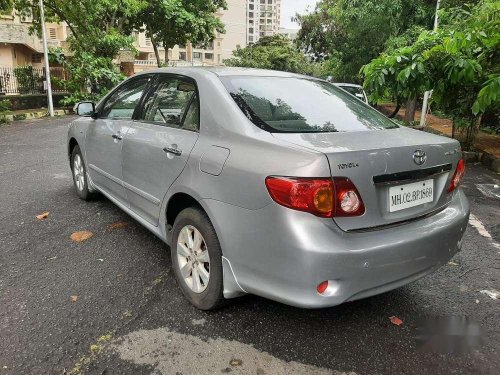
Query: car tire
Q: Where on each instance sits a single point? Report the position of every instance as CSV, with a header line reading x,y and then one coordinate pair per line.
x,y
79,172
208,295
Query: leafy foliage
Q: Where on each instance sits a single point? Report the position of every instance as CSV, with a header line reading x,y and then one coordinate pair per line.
x,y
171,22
28,80
353,32
272,52
460,62
5,105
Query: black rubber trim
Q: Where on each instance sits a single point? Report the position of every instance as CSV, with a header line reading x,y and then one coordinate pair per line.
x,y
411,175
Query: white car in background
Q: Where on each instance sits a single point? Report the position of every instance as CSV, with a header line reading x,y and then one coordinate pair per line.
x,y
355,90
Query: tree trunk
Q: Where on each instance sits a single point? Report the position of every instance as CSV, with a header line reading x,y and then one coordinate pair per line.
x,y
157,54
396,110
411,104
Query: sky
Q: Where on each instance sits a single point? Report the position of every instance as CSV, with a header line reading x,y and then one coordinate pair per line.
x,y
290,7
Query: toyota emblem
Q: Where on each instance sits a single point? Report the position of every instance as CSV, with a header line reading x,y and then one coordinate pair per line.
x,y
419,157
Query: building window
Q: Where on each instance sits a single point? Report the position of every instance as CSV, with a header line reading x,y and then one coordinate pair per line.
x,y
148,42
218,44
250,39
182,56
36,58
250,30
52,33
209,56
250,7
197,55
250,14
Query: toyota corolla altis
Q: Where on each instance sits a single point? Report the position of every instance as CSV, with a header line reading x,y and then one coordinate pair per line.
x,y
271,183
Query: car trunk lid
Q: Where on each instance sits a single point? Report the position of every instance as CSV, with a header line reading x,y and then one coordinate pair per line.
x,y
382,166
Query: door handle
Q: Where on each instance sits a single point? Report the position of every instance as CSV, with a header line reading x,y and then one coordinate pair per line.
x,y
171,150
117,137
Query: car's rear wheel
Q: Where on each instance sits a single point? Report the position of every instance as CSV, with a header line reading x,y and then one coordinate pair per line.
x,y
197,259
79,171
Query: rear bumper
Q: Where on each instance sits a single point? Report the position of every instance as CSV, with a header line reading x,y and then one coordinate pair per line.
x,y
283,254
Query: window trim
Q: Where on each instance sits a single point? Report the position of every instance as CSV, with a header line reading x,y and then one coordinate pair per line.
x,y
157,79
102,104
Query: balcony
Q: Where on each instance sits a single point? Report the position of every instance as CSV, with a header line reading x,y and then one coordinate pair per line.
x,y
19,34
172,63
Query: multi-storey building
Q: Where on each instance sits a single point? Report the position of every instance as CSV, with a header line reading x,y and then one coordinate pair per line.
x,y
18,47
245,22
263,18
235,22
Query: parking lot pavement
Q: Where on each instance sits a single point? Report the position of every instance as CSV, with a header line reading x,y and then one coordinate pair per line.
x,y
110,304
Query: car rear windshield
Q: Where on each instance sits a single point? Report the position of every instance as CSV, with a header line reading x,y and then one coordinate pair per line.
x,y
301,105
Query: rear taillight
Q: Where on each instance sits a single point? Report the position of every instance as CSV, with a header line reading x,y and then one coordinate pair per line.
x,y
348,199
457,176
324,197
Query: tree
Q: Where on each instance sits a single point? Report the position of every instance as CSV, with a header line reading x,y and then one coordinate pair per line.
x,y
353,32
460,62
99,30
176,22
272,52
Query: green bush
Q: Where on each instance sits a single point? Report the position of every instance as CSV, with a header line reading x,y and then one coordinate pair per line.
x,y
28,79
5,105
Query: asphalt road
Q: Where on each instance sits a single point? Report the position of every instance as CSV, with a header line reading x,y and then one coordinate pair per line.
x,y
128,316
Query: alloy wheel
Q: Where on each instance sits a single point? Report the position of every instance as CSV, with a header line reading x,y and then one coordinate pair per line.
x,y
193,259
78,172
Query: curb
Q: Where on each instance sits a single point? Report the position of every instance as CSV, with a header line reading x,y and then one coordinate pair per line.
x,y
33,115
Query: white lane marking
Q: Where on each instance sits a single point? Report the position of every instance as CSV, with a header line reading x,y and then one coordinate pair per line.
x,y
491,293
476,223
171,352
489,190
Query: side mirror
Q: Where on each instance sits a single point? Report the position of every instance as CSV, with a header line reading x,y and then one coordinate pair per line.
x,y
84,108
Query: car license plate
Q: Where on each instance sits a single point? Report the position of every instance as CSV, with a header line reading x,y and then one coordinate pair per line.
x,y
410,195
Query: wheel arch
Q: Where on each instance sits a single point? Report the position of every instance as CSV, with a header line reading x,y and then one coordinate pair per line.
x,y
178,202
71,146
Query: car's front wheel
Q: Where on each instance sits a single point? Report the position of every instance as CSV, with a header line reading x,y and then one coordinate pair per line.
x,y
197,259
79,171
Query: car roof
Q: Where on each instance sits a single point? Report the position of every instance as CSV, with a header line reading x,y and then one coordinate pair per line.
x,y
222,71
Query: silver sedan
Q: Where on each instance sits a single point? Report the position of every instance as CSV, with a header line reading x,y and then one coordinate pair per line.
x,y
271,183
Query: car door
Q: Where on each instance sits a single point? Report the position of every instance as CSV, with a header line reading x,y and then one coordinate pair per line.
x,y
105,136
158,143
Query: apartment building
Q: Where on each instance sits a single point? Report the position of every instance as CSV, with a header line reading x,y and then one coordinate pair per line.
x,y
235,21
245,22
18,47
264,18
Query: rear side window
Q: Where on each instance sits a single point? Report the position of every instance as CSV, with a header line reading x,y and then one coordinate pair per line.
x,y
174,102
301,105
122,103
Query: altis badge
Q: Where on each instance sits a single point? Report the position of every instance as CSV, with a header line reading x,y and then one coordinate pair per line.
x,y
348,165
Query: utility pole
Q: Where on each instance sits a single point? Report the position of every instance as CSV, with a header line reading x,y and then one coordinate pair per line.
x,y
427,94
46,61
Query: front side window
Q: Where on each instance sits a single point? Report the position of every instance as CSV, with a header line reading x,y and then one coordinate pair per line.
x,y
173,103
121,104
301,105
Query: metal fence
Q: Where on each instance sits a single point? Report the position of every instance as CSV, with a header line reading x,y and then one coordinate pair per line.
x,y
30,80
